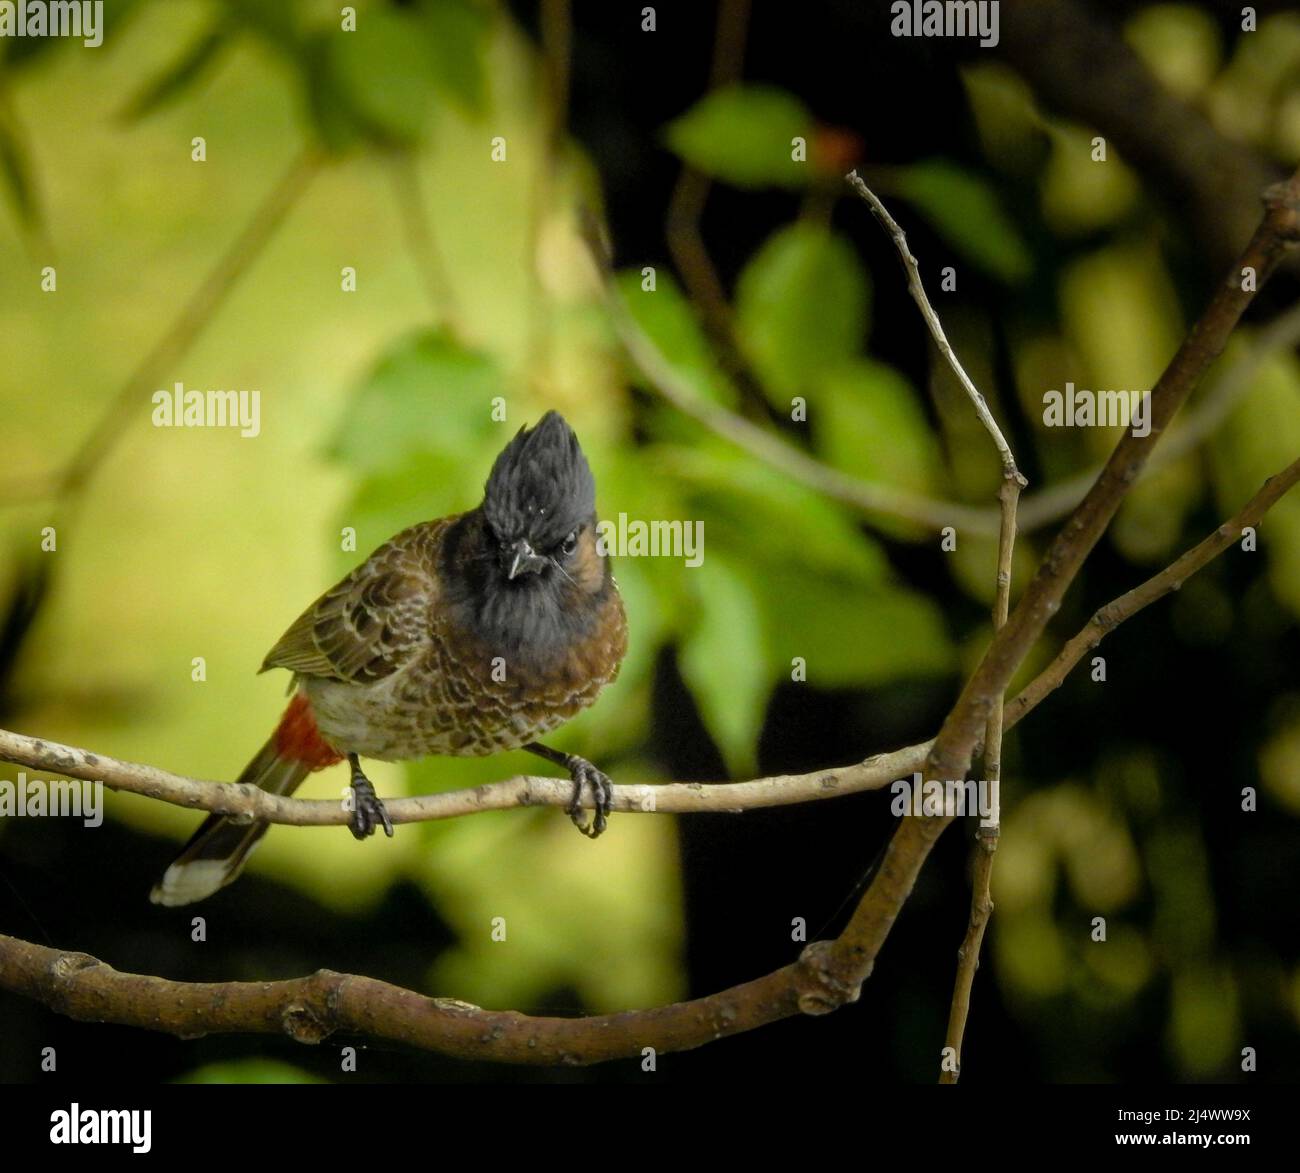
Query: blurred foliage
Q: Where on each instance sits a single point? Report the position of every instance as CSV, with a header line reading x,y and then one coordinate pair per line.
x,y
379,412
965,210
745,135
801,309
250,1071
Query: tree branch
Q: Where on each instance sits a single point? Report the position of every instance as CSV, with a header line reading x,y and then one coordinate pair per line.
x,y
1278,231
310,1009
951,753
246,802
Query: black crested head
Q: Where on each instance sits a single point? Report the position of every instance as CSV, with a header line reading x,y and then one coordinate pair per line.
x,y
540,488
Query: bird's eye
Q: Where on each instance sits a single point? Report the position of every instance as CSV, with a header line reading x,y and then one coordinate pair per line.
x,y
569,544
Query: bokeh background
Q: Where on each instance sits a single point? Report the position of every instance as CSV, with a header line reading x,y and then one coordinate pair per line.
x,y
374,150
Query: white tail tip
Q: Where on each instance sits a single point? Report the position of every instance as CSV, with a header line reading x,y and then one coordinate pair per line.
x,y
184,883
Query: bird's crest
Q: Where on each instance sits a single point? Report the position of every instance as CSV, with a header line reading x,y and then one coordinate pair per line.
x,y
541,486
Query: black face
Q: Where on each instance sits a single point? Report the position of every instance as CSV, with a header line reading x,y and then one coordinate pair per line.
x,y
538,498
530,574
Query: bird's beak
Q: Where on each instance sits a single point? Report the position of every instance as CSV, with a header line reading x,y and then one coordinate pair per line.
x,y
521,559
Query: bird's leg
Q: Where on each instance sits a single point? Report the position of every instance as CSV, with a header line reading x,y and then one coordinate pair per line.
x,y
581,771
367,811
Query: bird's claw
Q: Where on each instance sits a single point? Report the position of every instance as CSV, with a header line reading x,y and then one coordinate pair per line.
x,y
368,812
583,772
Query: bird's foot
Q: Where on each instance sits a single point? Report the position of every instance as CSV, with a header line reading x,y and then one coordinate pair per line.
x,y
584,773
368,812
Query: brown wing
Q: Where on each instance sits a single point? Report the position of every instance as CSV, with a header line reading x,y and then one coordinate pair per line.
x,y
372,622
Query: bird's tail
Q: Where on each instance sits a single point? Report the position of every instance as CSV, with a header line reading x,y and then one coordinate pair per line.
x,y
218,850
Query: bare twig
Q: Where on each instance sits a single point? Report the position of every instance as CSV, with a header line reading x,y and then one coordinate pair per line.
x,y
250,802
1278,231
917,289
981,907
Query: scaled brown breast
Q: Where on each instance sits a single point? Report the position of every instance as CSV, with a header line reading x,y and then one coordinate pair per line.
x,y
391,676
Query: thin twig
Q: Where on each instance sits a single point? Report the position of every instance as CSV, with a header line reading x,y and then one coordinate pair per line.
x,y
1280,335
981,906
917,290
248,802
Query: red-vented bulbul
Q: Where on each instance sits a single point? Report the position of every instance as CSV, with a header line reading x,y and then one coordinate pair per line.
x,y
465,636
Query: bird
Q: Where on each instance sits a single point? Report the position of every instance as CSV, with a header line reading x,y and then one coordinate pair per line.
x,y
465,636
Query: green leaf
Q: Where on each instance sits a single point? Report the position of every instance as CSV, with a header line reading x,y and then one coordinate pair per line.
x,y
457,35
336,121
385,71
852,638
868,421
666,317
801,307
723,662
184,72
428,394
743,503
743,135
965,210
413,488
